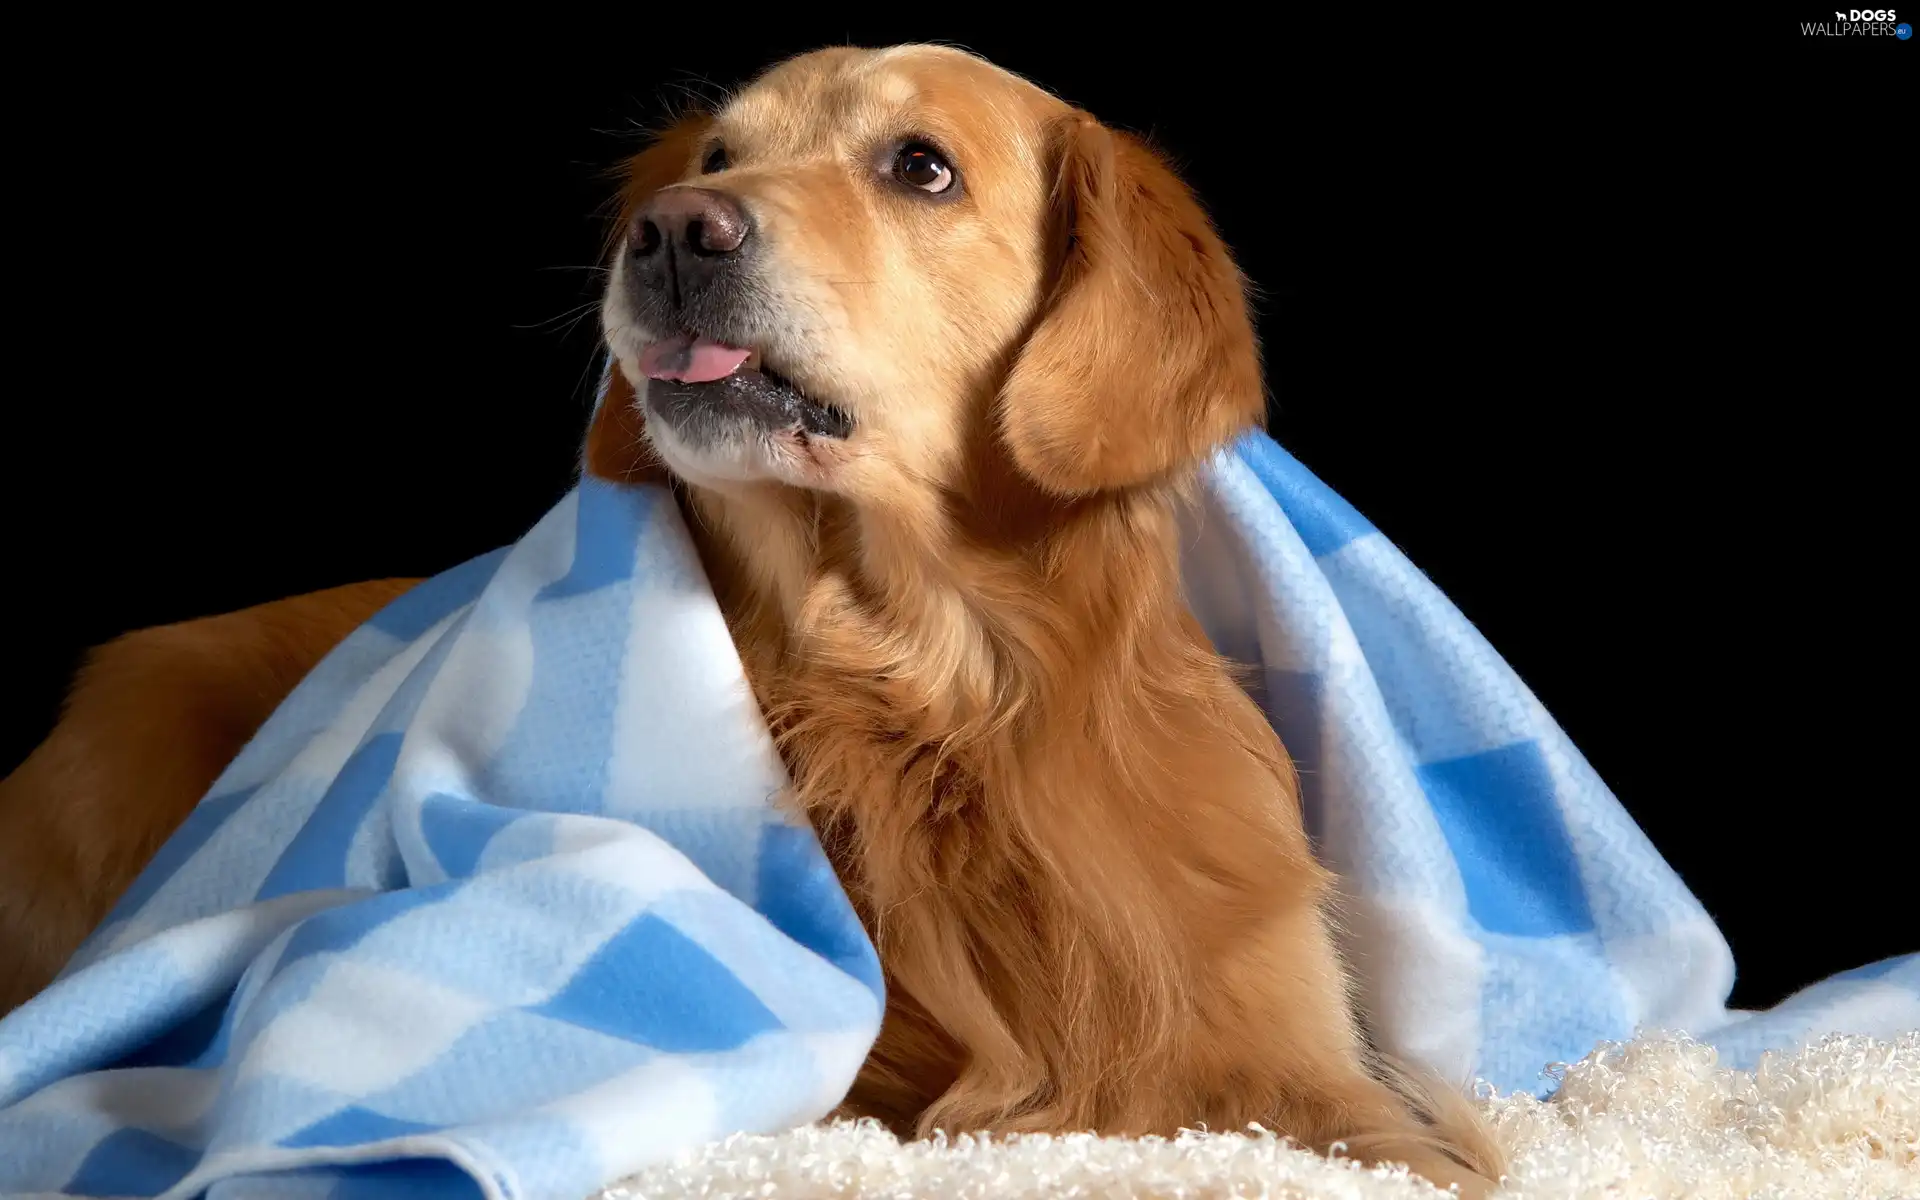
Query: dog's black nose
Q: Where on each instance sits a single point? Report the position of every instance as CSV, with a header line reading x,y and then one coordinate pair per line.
x,y
685,236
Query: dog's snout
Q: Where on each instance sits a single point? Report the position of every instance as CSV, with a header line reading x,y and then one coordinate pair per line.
x,y
684,237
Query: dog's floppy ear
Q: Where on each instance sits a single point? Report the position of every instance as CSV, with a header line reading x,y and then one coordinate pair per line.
x,y
1143,358
617,447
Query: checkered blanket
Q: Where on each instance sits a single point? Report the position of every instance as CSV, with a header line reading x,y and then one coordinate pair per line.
x,y
499,902
1503,911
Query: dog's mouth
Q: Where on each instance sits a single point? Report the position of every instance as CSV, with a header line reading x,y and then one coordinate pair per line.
x,y
697,383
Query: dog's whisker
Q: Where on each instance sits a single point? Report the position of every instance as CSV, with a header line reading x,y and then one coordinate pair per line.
x,y
573,316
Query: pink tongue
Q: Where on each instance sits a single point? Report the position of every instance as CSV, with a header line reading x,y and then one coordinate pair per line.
x,y
691,360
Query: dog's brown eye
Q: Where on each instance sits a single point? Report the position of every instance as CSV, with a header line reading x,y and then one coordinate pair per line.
x,y
920,165
715,162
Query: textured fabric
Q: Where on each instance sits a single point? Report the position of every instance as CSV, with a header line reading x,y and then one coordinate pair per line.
x,y
1503,911
500,902
1653,1119
497,903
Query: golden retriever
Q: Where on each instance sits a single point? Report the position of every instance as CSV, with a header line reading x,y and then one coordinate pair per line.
x,y
932,357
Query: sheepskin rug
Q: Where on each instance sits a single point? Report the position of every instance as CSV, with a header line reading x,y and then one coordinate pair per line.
x,y
1656,1117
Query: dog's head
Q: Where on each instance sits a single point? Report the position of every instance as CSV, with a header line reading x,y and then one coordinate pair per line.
x,y
869,264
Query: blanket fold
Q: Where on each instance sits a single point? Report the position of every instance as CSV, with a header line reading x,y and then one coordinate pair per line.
x,y
498,903
501,901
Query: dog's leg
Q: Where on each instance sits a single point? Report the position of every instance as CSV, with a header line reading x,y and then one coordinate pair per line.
x,y
1266,1035
151,721
1282,1022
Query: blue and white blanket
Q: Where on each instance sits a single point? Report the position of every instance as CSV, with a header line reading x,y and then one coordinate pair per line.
x,y
501,903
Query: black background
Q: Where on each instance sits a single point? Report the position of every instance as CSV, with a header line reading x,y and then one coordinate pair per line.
x,y
1612,346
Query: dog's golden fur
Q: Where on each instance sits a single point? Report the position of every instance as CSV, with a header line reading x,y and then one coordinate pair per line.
x,y
151,720
1075,840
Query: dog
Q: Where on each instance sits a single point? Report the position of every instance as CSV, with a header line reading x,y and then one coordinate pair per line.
x,y
931,358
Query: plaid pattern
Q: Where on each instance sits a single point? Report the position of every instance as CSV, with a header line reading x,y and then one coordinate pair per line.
x,y
1503,910
498,903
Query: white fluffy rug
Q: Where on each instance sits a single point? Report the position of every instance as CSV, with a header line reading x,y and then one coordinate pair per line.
x,y
1651,1118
